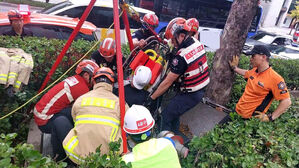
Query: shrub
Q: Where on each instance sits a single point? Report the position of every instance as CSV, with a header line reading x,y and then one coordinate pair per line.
x,y
44,53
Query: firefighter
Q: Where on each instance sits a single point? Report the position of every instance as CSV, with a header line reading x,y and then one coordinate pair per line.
x,y
194,24
148,152
135,93
142,34
17,25
57,100
188,66
97,119
105,55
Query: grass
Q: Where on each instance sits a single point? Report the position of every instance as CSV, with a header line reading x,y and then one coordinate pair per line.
x,y
29,2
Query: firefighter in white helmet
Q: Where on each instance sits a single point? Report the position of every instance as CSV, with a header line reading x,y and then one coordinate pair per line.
x,y
134,89
148,152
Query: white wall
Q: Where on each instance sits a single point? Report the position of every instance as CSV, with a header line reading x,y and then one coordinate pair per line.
x,y
282,18
271,11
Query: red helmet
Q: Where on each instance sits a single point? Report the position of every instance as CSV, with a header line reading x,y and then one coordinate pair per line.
x,y
107,48
193,23
88,66
151,19
175,26
104,71
14,15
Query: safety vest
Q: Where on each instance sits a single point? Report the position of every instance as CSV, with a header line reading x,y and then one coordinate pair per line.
x,y
196,76
97,122
58,98
154,153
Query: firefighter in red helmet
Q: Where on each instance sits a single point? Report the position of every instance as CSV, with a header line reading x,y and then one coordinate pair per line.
x,y
17,25
105,56
143,33
188,66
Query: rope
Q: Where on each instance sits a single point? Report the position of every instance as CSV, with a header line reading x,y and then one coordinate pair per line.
x,y
57,80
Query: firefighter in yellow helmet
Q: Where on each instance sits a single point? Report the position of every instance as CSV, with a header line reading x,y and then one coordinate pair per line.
x,y
97,119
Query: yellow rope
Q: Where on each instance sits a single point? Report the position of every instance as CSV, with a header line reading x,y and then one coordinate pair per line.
x,y
67,71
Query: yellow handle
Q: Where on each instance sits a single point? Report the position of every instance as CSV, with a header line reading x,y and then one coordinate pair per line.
x,y
153,52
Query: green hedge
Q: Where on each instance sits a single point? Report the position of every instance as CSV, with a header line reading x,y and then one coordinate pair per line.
x,y
44,53
237,144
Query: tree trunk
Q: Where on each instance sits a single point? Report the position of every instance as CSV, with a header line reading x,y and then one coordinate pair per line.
x,y
231,43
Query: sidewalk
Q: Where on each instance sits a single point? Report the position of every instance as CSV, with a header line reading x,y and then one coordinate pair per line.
x,y
8,6
51,1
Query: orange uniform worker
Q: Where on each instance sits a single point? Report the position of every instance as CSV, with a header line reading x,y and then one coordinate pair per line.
x,y
263,85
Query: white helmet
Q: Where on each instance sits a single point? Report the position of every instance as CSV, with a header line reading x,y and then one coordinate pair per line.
x,y
138,119
142,77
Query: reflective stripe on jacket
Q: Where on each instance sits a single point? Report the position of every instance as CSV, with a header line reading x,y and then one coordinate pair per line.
x,y
58,98
97,122
154,153
196,76
16,67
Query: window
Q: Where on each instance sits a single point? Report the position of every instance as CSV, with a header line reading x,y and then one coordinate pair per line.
x,y
53,31
4,29
56,7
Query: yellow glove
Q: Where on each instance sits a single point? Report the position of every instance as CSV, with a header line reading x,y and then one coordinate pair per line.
x,y
234,63
262,116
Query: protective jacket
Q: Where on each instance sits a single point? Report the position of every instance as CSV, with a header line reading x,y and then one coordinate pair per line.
x,y
16,67
58,98
154,153
96,116
196,76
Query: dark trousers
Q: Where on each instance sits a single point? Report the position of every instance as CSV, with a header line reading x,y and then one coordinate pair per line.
x,y
177,106
47,128
61,127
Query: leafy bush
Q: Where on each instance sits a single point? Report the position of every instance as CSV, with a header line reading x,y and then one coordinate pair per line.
x,y
249,143
23,155
44,53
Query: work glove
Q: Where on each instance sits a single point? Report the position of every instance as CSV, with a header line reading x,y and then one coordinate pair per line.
x,y
262,116
234,63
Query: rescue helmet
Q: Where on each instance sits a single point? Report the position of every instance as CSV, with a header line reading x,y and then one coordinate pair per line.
x,y
14,15
88,66
194,25
107,48
105,71
142,77
176,26
151,19
138,120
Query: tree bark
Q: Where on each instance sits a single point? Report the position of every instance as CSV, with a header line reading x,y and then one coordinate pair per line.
x,y
231,43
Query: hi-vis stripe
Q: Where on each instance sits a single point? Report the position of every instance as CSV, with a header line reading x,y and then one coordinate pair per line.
x,y
16,58
3,77
66,90
69,148
12,75
27,62
99,102
17,84
101,120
